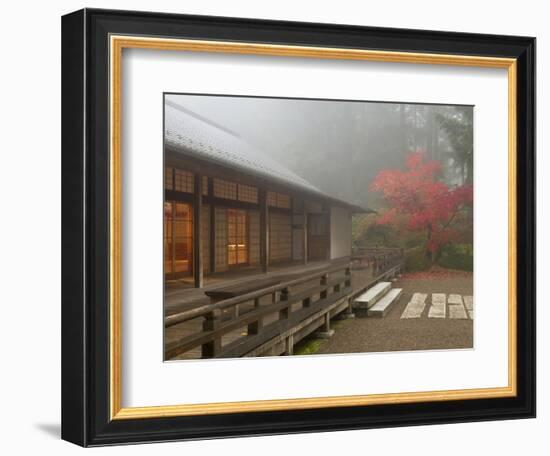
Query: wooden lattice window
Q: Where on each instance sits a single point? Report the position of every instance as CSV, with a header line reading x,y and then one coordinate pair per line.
x,y
205,233
225,189
247,193
169,178
221,238
178,238
184,181
283,201
272,199
275,199
237,237
254,236
280,237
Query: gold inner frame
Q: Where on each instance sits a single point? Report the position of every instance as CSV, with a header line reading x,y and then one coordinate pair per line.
x,y
117,44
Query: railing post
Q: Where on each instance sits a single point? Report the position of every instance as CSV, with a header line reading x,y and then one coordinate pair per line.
x,y
212,321
337,287
324,281
347,283
348,312
285,295
256,326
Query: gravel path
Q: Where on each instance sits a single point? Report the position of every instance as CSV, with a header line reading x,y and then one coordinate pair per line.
x,y
391,333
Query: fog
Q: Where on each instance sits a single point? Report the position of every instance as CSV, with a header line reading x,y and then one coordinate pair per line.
x,y
340,146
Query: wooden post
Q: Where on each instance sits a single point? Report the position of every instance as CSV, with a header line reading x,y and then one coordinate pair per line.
x,y
212,226
304,233
264,231
348,313
211,323
285,295
197,238
347,283
324,331
256,326
289,349
326,326
324,281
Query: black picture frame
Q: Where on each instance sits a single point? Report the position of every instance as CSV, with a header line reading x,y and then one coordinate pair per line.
x,y
85,228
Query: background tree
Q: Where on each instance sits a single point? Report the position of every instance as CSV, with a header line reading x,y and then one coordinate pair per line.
x,y
457,123
418,201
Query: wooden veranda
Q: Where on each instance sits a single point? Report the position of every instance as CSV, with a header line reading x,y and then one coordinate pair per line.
x,y
269,320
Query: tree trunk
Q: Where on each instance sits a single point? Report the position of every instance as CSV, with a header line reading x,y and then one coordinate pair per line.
x,y
429,253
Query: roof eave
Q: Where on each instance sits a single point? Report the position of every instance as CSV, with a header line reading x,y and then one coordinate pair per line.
x,y
188,153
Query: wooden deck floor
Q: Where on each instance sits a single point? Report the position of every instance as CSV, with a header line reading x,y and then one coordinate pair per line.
x,y
184,298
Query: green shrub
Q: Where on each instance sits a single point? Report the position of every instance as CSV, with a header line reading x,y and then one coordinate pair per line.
x,y
416,260
457,256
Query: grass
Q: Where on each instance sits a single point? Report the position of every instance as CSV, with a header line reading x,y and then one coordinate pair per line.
x,y
307,346
310,345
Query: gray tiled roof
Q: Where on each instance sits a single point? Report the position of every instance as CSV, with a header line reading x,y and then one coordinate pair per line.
x,y
192,134
196,136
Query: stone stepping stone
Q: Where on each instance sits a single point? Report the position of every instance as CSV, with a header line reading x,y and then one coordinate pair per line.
x,y
439,306
369,297
455,299
457,311
415,307
469,304
381,308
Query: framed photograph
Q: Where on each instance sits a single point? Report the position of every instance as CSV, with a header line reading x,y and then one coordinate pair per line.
x,y
277,227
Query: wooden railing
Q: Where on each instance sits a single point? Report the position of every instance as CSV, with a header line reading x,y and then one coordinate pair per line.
x,y
379,259
386,261
289,304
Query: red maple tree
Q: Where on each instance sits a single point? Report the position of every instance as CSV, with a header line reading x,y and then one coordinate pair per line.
x,y
418,201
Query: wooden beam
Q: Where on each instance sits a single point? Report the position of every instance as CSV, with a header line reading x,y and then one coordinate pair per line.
x,y
212,226
197,234
264,231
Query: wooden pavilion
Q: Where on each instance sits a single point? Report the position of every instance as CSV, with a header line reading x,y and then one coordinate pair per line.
x,y
227,206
